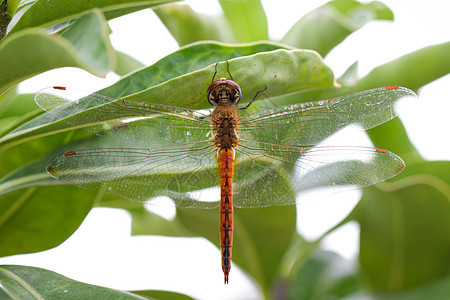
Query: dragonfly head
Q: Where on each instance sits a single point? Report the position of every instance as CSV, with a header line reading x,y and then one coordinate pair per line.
x,y
224,92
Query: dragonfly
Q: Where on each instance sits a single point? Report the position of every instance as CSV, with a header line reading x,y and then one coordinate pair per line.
x,y
180,153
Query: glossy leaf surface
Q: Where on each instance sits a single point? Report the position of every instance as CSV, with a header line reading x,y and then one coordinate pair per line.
x,y
412,214
46,13
325,27
21,282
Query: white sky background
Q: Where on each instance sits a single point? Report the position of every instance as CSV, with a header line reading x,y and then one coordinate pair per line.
x,y
192,266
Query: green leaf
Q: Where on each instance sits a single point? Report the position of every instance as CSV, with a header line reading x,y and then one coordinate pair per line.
x,y
26,176
30,52
22,282
282,71
247,19
6,100
405,231
26,156
94,49
18,105
412,70
44,13
38,219
3,295
21,168
327,26
187,26
270,231
325,275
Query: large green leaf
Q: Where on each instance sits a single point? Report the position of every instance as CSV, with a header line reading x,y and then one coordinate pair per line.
x,y
42,13
405,229
22,282
30,52
94,49
327,26
36,219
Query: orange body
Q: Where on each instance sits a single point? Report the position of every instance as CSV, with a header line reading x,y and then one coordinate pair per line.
x,y
226,167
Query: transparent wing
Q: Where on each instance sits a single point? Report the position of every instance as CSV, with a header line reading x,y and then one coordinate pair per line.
x,y
307,124
128,121
262,168
181,158
142,174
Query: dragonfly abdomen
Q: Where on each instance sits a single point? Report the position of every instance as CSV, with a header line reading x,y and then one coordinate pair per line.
x,y
226,168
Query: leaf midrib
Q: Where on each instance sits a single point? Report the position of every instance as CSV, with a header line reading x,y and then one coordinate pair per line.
x,y
22,282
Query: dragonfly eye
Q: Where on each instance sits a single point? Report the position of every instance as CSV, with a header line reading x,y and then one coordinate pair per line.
x,y
224,92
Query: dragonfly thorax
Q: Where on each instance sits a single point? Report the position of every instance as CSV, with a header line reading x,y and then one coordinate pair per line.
x,y
225,128
224,92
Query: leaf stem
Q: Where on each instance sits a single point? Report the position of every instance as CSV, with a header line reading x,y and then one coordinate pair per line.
x,y
5,18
